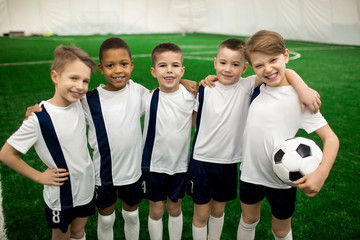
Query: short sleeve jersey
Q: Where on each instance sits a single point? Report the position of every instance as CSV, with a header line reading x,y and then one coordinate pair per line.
x,y
68,126
170,143
275,115
222,122
115,133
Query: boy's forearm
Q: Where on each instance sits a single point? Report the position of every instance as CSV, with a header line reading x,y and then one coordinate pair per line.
x,y
10,157
295,80
330,148
330,151
194,116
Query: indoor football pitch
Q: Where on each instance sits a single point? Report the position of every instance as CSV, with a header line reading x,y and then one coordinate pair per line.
x,y
333,70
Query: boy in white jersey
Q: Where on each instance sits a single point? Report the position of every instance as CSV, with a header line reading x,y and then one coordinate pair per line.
x,y
274,116
217,146
113,112
58,135
167,133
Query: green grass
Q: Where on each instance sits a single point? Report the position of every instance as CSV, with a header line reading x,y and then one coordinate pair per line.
x,y
332,70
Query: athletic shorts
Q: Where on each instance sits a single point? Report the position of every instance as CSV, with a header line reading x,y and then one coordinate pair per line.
x,y
159,186
62,219
282,201
106,195
212,181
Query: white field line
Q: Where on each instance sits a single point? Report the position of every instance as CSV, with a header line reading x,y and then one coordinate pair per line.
x,y
73,39
186,54
2,222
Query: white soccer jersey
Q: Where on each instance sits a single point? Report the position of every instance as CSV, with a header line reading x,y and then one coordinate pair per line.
x,y
115,133
167,131
274,116
58,135
222,121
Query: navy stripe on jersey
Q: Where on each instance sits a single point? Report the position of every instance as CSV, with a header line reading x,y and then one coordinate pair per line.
x,y
101,136
198,117
52,142
150,136
255,93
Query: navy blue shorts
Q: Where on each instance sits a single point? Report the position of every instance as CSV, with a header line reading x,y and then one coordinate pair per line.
x,y
212,181
106,195
62,219
159,186
282,201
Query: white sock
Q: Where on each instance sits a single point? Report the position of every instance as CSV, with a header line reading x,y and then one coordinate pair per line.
x,y
175,226
131,224
199,233
287,237
246,231
105,226
155,228
215,227
83,238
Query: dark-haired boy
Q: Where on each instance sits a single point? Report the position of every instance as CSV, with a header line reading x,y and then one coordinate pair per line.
x,y
113,113
167,133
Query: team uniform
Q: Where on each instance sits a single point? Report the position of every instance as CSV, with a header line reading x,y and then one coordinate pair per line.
x,y
217,146
167,133
274,116
58,135
115,136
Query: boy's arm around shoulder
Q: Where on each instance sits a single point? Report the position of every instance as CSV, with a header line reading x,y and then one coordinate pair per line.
x,y
307,95
30,110
312,183
10,157
190,85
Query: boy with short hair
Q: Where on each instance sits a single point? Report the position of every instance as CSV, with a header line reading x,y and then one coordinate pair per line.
x,y
275,116
113,113
167,133
58,134
217,145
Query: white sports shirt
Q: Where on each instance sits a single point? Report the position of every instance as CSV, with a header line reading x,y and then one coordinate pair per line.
x,y
58,135
166,149
274,116
223,116
115,133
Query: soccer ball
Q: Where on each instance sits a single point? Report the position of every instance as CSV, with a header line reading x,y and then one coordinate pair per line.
x,y
295,158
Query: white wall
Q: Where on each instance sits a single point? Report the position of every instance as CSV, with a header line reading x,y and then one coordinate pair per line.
x,y
330,21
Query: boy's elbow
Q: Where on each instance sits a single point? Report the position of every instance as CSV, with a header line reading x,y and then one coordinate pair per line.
x,y
6,151
333,143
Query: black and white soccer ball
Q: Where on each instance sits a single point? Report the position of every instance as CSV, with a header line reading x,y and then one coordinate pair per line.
x,y
295,158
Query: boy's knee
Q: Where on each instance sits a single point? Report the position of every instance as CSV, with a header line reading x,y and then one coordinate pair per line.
x,y
174,209
106,221
130,217
283,234
157,210
77,234
200,219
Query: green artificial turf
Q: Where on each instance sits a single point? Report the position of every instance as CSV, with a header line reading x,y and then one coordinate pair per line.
x,y
333,70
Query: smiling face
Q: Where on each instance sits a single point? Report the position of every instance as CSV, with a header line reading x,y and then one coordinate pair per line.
x,y
71,83
270,69
229,65
168,70
116,66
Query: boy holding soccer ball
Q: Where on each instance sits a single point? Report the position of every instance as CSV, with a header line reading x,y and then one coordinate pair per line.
x,y
217,150
274,116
